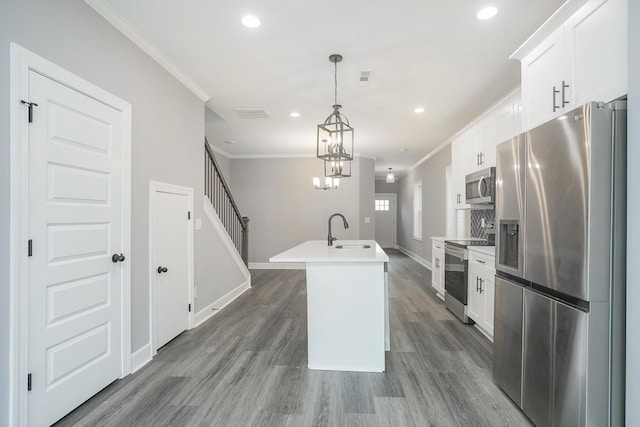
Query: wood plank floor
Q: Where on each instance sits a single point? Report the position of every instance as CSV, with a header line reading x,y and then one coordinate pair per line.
x,y
246,366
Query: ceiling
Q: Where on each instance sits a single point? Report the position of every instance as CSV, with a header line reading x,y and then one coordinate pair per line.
x,y
429,53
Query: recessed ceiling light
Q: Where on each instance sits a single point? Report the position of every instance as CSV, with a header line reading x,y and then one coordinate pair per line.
x,y
229,142
404,149
250,21
418,110
487,13
294,114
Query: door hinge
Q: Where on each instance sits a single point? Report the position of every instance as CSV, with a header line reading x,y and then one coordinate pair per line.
x,y
29,381
30,247
188,214
30,105
189,308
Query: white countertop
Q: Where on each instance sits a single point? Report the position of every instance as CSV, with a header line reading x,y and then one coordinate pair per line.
x,y
319,251
487,250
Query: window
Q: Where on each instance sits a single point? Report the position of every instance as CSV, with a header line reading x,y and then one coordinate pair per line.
x,y
417,210
382,205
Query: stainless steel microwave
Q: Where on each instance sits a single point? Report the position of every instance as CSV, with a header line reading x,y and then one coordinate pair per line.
x,y
480,187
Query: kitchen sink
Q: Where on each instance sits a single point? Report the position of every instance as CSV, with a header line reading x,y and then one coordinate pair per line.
x,y
353,246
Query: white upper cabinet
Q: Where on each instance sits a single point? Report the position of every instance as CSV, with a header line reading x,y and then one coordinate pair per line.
x,y
474,148
583,59
460,165
597,40
545,80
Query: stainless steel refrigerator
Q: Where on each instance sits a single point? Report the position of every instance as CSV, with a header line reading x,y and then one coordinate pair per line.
x,y
560,272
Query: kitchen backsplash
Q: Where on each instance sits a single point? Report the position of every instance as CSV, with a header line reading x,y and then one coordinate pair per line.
x,y
477,230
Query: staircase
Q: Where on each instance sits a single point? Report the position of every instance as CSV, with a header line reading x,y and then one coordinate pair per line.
x,y
218,193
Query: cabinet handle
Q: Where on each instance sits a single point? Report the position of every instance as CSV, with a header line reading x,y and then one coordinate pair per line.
x,y
481,158
477,284
564,87
480,261
555,92
481,281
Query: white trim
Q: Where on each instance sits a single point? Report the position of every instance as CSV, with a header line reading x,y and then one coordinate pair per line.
x,y
277,265
119,22
161,187
218,150
460,132
215,307
21,62
218,227
415,257
141,357
275,155
552,23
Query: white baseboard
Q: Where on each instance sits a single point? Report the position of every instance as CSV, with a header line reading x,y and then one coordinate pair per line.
x,y
213,308
277,265
415,257
141,357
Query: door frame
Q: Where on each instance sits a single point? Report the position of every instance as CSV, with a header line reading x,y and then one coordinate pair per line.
x,y
161,187
393,196
22,61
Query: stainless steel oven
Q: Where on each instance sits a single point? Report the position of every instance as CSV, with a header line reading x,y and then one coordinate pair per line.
x,y
456,280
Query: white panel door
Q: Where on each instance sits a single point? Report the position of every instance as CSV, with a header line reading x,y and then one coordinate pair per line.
x,y
385,210
75,223
171,249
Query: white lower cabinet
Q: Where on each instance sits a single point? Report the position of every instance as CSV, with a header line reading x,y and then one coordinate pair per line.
x,y
481,291
437,266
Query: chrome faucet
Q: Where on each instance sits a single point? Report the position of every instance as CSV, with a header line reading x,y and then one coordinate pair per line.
x,y
330,238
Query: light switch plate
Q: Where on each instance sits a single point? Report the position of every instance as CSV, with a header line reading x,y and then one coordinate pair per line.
x,y
198,223
367,220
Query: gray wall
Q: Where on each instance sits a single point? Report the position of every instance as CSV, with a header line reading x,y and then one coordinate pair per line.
x,y
383,187
366,194
432,174
633,231
216,272
225,166
167,132
284,208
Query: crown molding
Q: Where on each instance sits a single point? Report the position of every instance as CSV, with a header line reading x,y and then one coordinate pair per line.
x,y
449,140
221,151
115,19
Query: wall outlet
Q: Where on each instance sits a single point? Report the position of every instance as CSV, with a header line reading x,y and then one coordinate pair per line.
x,y
198,223
367,220
483,223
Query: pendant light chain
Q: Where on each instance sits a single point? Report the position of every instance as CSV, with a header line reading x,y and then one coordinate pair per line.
x,y
335,79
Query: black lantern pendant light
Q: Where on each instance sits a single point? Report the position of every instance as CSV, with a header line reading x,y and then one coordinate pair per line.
x,y
335,137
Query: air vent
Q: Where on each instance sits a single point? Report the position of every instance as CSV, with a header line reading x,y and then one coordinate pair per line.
x,y
252,113
365,77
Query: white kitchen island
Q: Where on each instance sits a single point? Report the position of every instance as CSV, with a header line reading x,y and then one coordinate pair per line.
x,y
347,303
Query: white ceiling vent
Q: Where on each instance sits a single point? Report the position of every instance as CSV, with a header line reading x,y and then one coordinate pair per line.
x,y
365,77
252,113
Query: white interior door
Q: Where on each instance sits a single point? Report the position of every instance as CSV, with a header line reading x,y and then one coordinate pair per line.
x,y
385,209
75,224
172,252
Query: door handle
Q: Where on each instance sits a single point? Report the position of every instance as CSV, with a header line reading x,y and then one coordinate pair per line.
x,y
116,258
564,87
162,270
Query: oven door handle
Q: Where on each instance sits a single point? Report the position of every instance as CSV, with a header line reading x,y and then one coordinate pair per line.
x,y
453,251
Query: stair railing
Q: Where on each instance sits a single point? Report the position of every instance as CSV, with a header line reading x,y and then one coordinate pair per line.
x,y
217,190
